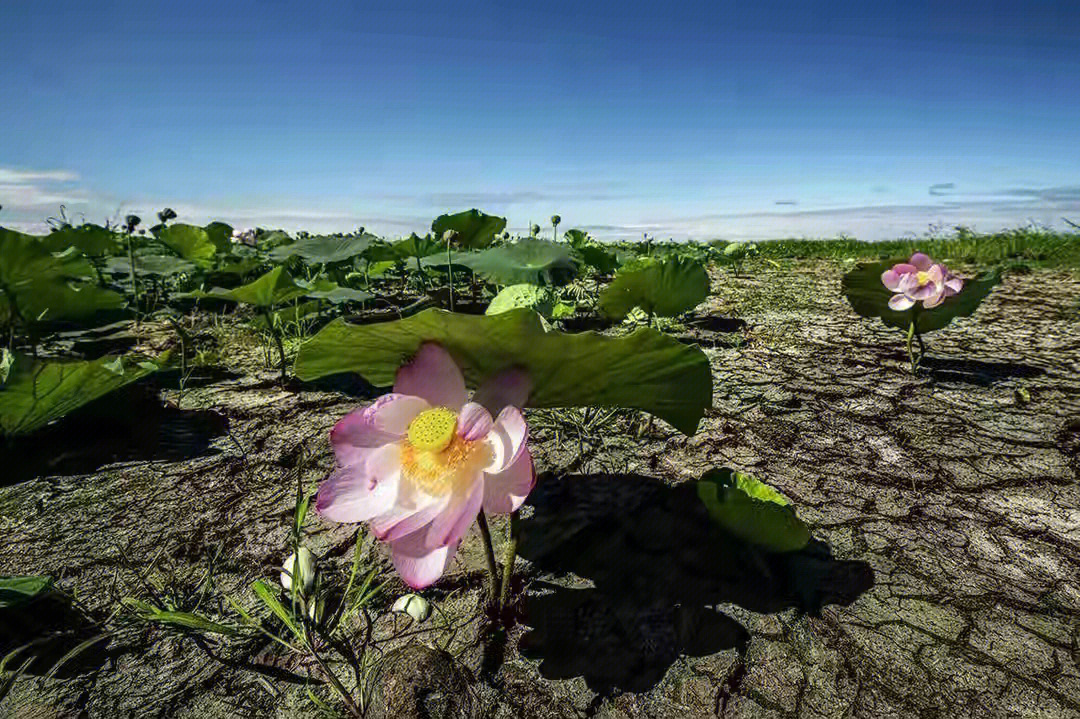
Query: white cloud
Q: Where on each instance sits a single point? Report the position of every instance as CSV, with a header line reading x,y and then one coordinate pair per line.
x,y
9,175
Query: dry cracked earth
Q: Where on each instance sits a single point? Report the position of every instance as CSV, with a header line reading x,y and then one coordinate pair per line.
x,y
943,579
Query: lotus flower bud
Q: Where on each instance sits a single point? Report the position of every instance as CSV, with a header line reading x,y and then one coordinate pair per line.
x,y
414,605
300,564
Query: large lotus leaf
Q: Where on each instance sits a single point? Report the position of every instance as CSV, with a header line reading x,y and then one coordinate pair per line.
x,y
192,243
599,259
666,287
518,296
325,250
273,288
645,370
576,238
34,392
475,229
416,246
439,260
870,298
36,284
752,511
155,265
92,240
19,590
339,295
536,262
381,251
220,234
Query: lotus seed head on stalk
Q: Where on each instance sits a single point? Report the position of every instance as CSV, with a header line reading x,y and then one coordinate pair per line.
x,y
167,214
131,222
534,229
449,235
555,220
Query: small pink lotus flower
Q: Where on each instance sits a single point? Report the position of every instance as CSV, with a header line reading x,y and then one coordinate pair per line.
x,y
920,280
244,237
420,463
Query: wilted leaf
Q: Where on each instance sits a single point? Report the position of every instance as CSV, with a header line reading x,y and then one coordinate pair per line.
x,y
644,370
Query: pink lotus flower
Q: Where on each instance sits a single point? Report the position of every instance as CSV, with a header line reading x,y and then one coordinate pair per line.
x,y
920,280
420,463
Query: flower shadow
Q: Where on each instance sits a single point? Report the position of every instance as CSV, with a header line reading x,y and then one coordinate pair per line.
x,y
658,568
977,372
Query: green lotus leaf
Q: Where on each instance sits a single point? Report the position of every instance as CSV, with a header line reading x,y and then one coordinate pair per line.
x,y
535,262
518,296
325,250
156,265
339,295
599,259
870,298
416,246
665,287
644,370
273,288
475,229
752,510
576,238
220,234
91,240
192,243
39,285
20,590
36,392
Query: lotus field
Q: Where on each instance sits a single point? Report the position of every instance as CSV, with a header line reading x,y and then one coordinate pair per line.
x,y
470,473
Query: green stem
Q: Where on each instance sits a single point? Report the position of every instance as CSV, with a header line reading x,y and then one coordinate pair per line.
x,y
134,282
910,338
280,345
508,562
450,274
489,553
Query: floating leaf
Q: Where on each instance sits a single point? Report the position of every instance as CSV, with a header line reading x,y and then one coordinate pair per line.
x,y
645,370
19,590
870,298
666,287
190,242
475,229
325,250
37,392
752,510
518,296
536,262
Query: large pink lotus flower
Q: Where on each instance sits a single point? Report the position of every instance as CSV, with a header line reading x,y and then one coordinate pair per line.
x,y
420,463
920,280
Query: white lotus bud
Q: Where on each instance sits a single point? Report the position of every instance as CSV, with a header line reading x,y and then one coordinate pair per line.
x,y
414,605
302,567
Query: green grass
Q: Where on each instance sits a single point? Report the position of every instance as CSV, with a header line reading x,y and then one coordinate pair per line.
x,y
1034,246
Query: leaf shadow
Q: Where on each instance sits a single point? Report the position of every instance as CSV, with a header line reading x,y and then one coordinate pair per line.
x,y
124,426
658,569
977,372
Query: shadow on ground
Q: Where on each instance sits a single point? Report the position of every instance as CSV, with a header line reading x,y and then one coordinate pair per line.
x,y
658,567
978,372
125,426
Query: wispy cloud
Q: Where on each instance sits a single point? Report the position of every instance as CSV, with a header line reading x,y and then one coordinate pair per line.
x,y
790,203
942,188
24,190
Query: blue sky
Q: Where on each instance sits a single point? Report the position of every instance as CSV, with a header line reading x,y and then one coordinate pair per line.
x,y
720,119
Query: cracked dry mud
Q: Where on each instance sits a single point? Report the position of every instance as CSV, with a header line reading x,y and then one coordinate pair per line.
x,y
944,580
